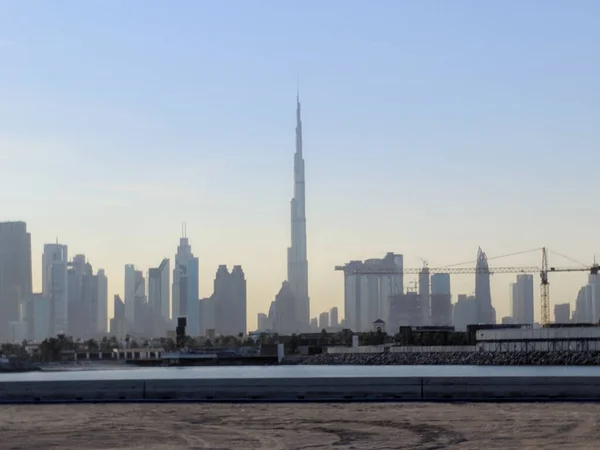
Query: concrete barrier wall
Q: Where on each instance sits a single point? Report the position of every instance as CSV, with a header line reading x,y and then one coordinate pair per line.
x,y
51,391
307,389
515,388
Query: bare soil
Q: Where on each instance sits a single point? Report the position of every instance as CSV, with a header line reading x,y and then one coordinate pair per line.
x,y
300,426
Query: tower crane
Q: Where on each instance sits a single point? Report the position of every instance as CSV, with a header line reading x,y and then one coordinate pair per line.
x,y
544,270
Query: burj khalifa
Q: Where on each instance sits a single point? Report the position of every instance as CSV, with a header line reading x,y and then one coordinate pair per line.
x,y
297,259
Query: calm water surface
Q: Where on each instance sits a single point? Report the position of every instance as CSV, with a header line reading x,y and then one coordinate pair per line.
x,y
161,373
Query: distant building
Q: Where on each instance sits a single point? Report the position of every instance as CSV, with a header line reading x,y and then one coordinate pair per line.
x,y
465,312
333,317
229,301
324,320
102,307
130,291
285,321
118,322
562,313
441,300
178,300
37,316
159,289
424,297
87,299
55,286
405,310
262,322
15,272
40,317
522,299
17,331
368,287
440,283
486,314
314,323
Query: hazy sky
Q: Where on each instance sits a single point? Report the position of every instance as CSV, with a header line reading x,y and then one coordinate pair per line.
x,y
430,128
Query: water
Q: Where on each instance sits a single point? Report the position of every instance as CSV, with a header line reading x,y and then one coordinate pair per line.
x,y
237,372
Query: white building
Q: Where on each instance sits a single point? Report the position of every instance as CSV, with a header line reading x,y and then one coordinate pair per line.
x,y
55,286
368,286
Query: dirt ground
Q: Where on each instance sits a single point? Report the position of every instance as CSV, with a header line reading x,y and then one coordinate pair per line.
x,y
300,426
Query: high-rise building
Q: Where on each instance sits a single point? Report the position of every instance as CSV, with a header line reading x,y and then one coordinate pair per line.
x,y
83,293
15,271
334,317
522,299
118,322
562,313
229,301
55,286
193,297
297,255
424,296
262,322
284,308
238,320
441,300
465,312
368,287
40,317
486,314
129,297
183,302
136,317
102,306
324,320
159,288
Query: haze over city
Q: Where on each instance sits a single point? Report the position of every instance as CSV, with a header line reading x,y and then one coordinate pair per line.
x,y
121,121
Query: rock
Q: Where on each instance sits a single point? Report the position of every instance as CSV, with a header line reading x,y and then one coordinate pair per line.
x,y
534,358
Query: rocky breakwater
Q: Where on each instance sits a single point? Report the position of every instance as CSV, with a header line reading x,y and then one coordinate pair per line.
x,y
558,358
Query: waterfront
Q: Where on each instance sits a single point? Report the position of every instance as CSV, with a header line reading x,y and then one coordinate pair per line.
x,y
302,426
82,373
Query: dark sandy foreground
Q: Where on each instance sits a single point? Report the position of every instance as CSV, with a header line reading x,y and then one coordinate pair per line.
x,y
300,426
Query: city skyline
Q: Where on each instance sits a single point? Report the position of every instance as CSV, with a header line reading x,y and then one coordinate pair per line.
x,y
460,143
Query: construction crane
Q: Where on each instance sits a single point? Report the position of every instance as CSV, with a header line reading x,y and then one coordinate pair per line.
x,y
544,270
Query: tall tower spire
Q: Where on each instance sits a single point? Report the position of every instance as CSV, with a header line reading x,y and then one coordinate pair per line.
x,y
297,257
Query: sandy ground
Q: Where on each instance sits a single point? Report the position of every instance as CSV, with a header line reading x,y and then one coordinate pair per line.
x,y
300,426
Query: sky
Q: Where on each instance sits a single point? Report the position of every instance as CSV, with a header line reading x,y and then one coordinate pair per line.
x,y
430,128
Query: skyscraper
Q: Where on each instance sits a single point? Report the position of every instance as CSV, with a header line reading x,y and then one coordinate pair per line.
x,y
297,256
178,298
55,285
15,271
522,299
333,317
159,288
102,311
485,311
229,301
441,300
129,297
